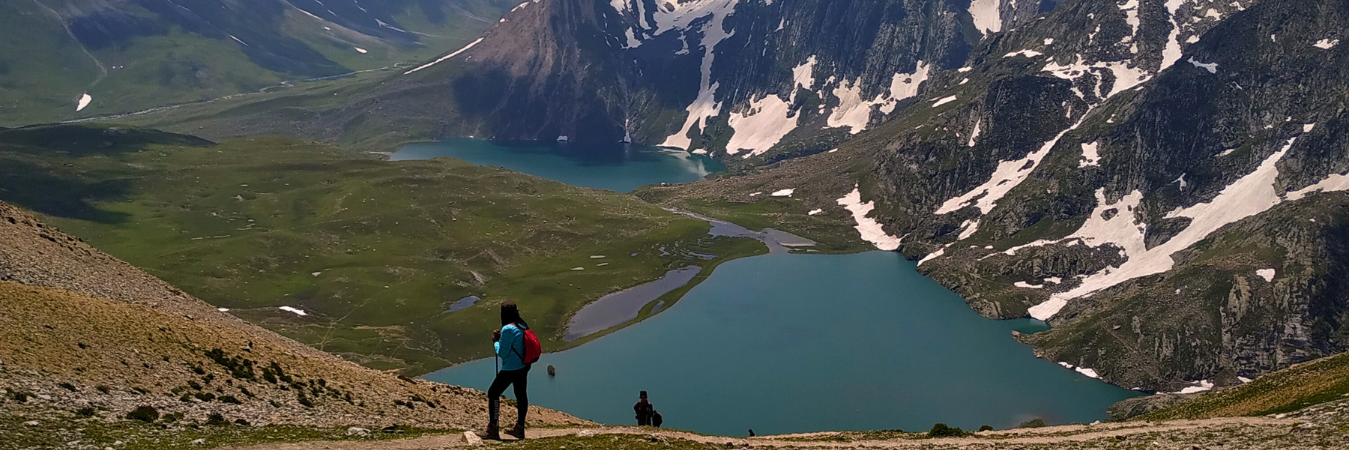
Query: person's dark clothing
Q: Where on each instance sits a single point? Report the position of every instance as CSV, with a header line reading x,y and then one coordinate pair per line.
x,y
643,409
518,378
656,419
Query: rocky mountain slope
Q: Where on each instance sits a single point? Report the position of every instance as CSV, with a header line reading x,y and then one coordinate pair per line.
x,y
1155,179
86,336
746,77
62,59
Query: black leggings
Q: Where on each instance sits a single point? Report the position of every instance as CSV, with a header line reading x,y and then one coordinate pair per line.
x,y
518,378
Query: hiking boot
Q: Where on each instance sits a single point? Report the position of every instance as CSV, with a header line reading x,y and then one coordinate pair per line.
x,y
518,432
490,435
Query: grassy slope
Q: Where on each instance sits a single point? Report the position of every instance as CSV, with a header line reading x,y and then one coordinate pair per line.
x,y
1287,390
246,225
42,79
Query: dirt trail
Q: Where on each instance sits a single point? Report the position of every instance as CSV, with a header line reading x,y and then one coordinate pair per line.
x,y
995,439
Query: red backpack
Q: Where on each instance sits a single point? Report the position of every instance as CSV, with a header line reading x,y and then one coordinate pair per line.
x,y
532,347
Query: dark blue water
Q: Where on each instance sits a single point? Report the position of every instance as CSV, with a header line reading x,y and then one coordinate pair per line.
x,y
617,167
798,343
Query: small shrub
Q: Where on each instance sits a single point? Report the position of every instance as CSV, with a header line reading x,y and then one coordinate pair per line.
x,y
305,401
215,419
170,418
146,414
103,388
274,403
85,412
20,397
140,390
186,398
241,422
68,387
230,399
194,385
986,428
941,430
245,392
205,396
1033,423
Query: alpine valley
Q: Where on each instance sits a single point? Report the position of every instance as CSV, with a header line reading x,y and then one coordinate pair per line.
x,y
1157,180
1164,183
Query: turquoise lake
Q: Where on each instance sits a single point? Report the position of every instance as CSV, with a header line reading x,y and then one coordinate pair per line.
x,y
799,343
616,167
786,343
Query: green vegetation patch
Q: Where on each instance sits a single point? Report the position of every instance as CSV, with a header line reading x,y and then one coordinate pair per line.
x,y
374,253
1287,390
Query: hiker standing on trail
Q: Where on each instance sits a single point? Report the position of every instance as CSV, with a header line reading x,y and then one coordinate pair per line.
x,y
644,410
516,349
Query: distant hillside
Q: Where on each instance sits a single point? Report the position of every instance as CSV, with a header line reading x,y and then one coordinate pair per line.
x,y
83,334
129,55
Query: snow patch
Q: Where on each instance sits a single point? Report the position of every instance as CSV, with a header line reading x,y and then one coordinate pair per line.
x,y
451,55
1326,44
852,111
84,101
1267,274
986,15
783,193
1088,372
1250,195
681,16
223,309
1199,386
762,126
869,228
974,134
1172,52
904,86
1008,175
297,311
1026,53
1210,67
814,212
361,50
932,256
1023,284
1089,155
943,101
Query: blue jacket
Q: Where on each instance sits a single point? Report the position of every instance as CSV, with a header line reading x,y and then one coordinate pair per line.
x,y
511,347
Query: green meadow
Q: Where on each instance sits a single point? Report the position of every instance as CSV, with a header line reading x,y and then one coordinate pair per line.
x,y
373,251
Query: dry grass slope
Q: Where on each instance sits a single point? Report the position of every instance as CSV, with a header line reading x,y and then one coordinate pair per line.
x,y
80,329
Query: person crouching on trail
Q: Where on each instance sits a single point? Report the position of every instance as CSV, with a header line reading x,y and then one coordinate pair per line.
x,y
644,409
517,349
